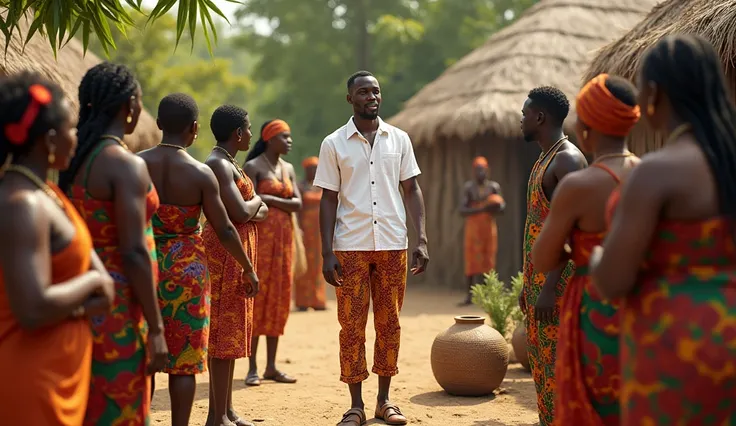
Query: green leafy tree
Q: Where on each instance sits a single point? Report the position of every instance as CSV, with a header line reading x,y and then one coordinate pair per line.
x,y
210,81
60,20
315,45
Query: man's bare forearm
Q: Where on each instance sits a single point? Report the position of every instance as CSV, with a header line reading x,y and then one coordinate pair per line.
x,y
415,205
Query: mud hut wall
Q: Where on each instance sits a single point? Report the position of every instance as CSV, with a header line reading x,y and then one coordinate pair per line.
x,y
446,166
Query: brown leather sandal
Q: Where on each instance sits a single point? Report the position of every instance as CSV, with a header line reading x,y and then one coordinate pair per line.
x,y
353,417
390,414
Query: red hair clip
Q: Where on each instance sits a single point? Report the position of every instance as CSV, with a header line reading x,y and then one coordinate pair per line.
x,y
17,133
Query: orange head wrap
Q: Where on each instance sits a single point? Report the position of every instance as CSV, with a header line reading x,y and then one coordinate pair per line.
x,y
598,108
480,162
274,128
310,162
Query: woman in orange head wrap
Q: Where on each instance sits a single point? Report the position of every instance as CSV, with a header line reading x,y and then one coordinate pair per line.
x,y
310,287
587,369
275,183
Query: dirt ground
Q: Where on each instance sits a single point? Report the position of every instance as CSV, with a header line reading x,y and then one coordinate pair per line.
x,y
309,351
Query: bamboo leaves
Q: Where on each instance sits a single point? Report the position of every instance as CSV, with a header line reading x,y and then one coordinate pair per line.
x,y
60,20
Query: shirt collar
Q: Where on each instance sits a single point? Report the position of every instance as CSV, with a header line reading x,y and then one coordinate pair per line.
x,y
351,130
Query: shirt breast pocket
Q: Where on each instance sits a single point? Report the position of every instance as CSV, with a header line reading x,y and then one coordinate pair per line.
x,y
391,164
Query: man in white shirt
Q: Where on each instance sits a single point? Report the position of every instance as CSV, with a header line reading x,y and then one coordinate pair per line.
x,y
364,239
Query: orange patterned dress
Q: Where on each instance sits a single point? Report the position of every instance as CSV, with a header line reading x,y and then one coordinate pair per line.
x,y
587,370
183,289
310,288
275,251
47,371
120,392
541,341
231,313
481,240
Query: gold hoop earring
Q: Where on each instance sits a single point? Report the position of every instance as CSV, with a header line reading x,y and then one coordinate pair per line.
x,y
52,154
650,110
585,134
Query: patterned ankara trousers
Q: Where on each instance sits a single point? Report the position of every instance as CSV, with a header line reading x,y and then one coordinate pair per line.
x,y
377,275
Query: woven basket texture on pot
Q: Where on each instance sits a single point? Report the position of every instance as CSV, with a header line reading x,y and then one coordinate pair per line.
x,y
470,358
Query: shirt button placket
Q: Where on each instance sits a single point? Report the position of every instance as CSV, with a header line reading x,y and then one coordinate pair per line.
x,y
374,197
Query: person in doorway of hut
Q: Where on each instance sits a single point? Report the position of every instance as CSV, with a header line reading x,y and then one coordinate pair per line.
x,y
481,200
51,279
670,248
364,239
231,318
275,182
543,115
587,368
310,287
111,188
186,188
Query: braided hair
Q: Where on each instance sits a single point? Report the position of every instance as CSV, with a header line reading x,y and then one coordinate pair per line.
x,y
688,69
15,96
104,89
260,145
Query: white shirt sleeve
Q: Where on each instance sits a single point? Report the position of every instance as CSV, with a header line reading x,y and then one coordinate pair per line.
x,y
328,171
409,166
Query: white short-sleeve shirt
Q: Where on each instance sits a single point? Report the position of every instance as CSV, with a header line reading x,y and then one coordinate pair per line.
x,y
370,210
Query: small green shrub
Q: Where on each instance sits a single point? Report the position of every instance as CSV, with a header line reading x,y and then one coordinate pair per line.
x,y
499,301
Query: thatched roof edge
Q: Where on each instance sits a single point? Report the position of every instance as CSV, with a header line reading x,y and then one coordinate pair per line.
x,y
482,93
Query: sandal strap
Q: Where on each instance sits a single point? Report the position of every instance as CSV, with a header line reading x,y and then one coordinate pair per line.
x,y
353,412
390,406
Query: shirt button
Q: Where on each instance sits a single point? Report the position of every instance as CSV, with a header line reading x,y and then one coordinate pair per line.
x,y
375,222
374,203
373,182
371,162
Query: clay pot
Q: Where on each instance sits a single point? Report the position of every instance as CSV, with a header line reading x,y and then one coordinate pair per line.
x,y
469,358
518,342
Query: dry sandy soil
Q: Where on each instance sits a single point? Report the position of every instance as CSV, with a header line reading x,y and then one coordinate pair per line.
x,y
309,350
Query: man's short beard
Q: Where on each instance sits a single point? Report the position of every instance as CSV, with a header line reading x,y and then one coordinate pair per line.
x,y
368,115
530,137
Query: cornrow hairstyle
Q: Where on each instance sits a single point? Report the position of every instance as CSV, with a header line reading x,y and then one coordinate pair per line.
x,y
177,112
622,89
15,97
104,89
260,145
552,101
688,69
357,75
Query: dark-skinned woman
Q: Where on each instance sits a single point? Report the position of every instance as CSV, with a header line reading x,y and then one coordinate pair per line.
x,y
276,183
111,188
670,249
50,276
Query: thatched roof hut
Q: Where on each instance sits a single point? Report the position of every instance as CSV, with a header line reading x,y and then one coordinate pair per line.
x,y
712,19
67,71
474,108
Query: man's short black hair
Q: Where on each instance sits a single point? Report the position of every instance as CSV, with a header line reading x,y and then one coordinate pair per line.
x,y
225,120
176,112
552,101
357,75
621,89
